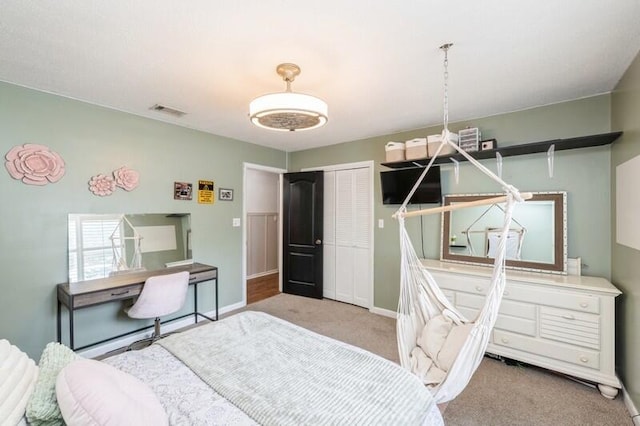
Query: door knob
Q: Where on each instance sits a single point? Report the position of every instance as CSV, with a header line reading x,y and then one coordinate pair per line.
x,y
318,241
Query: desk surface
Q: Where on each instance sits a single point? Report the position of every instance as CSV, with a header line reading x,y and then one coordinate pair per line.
x,y
83,294
121,280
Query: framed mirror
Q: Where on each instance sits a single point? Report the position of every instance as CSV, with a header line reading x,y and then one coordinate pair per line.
x,y
103,245
537,239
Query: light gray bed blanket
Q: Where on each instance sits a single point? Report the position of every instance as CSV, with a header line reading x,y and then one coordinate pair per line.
x,y
282,374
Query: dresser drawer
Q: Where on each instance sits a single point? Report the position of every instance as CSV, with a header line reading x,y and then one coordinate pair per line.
x,y
572,327
507,307
513,316
198,277
560,352
464,283
541,296
105,296
450,295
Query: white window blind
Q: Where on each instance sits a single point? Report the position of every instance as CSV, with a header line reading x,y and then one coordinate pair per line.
x,y
90,249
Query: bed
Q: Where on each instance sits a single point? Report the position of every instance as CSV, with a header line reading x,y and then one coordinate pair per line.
x,y
252,368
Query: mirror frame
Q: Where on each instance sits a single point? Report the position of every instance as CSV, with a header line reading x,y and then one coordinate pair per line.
x,y
559,265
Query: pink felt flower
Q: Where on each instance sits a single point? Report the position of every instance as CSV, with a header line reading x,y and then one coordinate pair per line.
x,y
102,185
34,164
126,178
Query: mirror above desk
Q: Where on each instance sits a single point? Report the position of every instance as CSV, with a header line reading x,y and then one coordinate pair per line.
x,y
104,245
537,239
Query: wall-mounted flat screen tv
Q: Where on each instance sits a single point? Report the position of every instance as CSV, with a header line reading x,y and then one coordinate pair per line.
x,y
396,184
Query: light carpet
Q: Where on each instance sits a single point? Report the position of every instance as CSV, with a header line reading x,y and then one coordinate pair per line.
x,y
498,394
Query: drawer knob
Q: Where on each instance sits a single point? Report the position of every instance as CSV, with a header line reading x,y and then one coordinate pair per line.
x,y
584,305
478,288
506,293
584,359
122,293
504,340
569,317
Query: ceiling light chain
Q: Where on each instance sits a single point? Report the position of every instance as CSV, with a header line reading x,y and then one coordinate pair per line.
x,y
445,48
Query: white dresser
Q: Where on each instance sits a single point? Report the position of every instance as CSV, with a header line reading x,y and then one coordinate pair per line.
x,y
563,323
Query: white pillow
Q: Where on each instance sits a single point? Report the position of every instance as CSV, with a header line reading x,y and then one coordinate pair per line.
x,y
434,334
18,374
94,393
452,345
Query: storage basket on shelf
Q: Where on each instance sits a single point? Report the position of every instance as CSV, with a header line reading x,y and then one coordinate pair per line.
x,y
416,149
394,151
434,141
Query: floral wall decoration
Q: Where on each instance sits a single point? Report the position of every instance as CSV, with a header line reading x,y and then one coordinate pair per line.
x,y
34,164
102,185
123,177
126,178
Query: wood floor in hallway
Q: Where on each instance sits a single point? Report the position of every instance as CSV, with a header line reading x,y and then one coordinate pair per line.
x,y
262,287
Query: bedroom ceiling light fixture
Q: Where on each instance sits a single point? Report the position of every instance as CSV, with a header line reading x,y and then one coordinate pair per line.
x,y
288,111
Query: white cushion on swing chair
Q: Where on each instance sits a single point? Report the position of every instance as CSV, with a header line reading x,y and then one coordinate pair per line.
x,y
437,348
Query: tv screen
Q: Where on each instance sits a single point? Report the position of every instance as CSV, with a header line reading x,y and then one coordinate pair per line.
x,y
396,184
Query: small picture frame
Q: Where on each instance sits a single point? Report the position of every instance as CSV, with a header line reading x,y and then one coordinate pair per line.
x,y
488,145
225,194
182,191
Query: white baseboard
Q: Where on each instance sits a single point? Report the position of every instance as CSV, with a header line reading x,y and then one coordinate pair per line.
x,y
383,312
631,407
166,328
263,274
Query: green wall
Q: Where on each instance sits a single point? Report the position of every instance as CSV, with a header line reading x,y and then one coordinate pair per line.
x,y
625,113
92,140
584,173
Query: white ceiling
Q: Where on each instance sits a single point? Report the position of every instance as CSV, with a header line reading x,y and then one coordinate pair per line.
x,y
375,62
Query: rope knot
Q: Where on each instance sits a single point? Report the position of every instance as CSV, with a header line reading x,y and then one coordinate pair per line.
x,y
514,192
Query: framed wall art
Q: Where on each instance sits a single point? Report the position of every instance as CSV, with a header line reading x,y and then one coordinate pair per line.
x,y
182,191
225,194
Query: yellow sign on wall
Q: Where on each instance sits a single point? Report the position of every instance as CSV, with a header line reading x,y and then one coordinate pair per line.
x,y
205,192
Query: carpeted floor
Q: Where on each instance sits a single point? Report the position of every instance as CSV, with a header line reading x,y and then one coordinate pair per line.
x,y
499,394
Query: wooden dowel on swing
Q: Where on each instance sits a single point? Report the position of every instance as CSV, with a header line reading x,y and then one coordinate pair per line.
x,y
483,202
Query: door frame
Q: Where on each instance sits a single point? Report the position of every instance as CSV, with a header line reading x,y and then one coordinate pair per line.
x,y
359,165
245,243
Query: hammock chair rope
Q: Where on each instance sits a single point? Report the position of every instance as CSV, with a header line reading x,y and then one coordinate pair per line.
x,y
446,360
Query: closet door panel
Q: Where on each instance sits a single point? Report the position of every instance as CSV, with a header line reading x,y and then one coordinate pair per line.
x,y
361,277
329,243
344,208
329,207
348,239
329,287
344,274
361,208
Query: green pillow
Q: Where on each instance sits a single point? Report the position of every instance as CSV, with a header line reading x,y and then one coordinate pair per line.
x,y
42,408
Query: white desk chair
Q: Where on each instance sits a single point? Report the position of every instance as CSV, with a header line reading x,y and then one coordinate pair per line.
x,y
161,295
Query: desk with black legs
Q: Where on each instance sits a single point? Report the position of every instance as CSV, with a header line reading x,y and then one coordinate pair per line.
x,y
83,294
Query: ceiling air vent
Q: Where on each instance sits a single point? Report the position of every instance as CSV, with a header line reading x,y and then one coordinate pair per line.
x,y
167,110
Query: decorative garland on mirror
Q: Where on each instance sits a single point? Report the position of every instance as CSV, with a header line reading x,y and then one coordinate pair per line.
x,y
34,164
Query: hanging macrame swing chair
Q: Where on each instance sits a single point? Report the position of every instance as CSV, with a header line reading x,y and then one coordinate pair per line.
x,y
435,341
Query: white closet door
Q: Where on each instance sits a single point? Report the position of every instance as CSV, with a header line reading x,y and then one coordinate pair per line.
x,y
347,236
361,225
329,244
344,235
